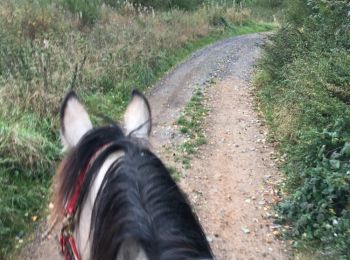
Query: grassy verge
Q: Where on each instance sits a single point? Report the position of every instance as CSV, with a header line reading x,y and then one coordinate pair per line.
x,y
46,49
303,89
190,125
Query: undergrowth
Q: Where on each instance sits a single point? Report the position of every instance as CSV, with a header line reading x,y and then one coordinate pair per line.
x,y
304,88
102,51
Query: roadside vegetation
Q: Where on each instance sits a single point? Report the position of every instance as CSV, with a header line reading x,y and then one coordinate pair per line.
x,y
100,48
191,127
303,87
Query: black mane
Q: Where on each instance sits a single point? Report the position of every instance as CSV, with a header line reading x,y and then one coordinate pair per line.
x,y
138,200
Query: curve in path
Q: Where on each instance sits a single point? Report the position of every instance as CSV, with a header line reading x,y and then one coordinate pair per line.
x,y
234,56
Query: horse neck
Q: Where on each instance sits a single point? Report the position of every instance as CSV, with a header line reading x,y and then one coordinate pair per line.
x,y
82,232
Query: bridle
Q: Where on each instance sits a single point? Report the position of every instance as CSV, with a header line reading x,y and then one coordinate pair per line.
x,y
67,242
68,245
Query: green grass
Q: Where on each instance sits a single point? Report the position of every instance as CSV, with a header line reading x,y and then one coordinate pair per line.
x,y
191,126
22,200
46,49
175,174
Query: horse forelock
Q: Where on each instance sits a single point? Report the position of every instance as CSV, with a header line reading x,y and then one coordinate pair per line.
x,y
75,160
139,200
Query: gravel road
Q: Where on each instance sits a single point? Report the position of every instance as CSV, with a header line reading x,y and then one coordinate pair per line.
x,y
231,57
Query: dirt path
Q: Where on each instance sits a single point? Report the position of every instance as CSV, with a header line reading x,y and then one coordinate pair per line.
x,y
230,181
227,180
234,56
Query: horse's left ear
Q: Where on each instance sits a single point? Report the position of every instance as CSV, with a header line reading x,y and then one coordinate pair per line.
x,y
137,118
75,121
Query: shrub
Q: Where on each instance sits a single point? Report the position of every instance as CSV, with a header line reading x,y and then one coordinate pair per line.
x,y
297,12
305,96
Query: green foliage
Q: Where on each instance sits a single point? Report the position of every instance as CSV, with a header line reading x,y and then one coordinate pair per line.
x,y
268,3
265,10
159,4
22,199
24,150
88,11
297,12
27,163
304,90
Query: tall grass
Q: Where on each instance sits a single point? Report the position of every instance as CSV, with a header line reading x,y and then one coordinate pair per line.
x,y
48,47
304,91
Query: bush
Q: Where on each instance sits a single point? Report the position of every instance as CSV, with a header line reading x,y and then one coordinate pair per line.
x,y
297,12
305,97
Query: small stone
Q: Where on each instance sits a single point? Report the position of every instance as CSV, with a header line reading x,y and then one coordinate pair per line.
x,y
245,230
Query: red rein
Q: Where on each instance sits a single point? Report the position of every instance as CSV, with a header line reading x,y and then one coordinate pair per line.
x,y
67,242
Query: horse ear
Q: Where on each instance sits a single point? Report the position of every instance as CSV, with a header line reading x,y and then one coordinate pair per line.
x,y
137,118
75,121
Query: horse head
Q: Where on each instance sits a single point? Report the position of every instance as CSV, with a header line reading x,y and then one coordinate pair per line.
x,y
115,198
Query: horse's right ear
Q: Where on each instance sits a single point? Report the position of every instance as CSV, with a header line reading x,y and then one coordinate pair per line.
x,y
75,121
137,118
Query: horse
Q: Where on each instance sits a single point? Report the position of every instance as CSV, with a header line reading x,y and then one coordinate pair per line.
x,y
114,197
